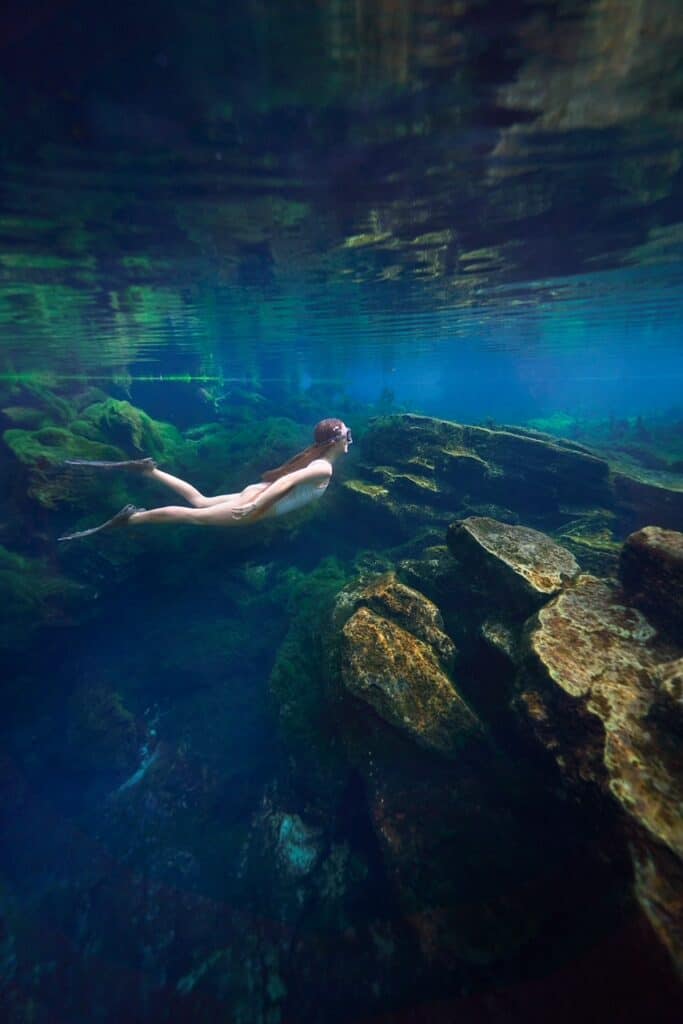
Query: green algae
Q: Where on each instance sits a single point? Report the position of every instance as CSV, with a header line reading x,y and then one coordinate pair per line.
x,y
392,476
373,491
297,682
104,734
32,596
131,429
44,451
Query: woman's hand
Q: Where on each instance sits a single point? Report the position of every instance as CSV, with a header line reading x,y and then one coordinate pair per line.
x,y
242,511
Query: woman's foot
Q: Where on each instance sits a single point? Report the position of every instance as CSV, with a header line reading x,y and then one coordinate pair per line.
x,y
134,465
120,519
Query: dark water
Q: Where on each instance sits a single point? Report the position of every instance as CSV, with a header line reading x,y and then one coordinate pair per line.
x,y
238,220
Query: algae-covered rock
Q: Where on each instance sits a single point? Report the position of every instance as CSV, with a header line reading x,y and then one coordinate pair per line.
x,y
590,536
404,606
416,470
44,453
104,734
401,678
435,790
651,571
104,430
418,473
298,683
32,596
525,564
127,428
599,690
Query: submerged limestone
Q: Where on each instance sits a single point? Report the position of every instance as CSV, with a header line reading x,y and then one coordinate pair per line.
x,y
651,570
400,677
601,690
417,474
437,793
452,777
523,562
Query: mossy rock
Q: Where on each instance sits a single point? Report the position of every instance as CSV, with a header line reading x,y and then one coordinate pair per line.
x,y
32,596
44,453
131,429
104,735
298,682
55,408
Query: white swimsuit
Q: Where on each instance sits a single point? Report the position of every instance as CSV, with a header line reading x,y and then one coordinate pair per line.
x,y
301,495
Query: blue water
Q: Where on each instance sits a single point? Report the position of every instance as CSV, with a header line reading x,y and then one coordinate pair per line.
x,y
241,219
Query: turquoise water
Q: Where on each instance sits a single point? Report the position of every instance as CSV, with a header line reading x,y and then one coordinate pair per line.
x,y
218,226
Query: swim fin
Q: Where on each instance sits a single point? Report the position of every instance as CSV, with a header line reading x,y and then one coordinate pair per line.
x,y
120,519
135,465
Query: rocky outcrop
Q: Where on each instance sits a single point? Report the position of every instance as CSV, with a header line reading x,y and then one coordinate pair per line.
x,y
422,470
438,795
601,691
417,474
524,564
651,570
401,678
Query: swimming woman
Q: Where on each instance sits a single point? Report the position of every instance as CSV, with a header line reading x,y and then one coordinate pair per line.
x,y
295,484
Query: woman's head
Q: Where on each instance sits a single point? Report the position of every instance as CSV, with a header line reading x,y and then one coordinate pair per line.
x,y
330,438
330,432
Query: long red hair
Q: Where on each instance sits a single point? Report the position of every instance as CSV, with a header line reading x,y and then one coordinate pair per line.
x,y
325,435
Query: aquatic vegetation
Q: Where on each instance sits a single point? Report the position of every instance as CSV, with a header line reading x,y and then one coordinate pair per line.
x,y
305,717
34,596
104,735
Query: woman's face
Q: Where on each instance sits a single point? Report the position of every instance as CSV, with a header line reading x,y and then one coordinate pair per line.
x,y
346,439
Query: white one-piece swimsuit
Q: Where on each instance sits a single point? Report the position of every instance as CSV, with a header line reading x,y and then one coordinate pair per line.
x,y
301,494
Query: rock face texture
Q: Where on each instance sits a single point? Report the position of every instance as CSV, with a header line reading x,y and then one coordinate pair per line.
x,y
524,563
418,470
651,570
419,473
438,795
602,689
401,678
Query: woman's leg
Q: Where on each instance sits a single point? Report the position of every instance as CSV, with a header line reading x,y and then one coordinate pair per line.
x,y
212,515
195,497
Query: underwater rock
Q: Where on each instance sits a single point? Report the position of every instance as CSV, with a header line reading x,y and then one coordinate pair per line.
x,y
599,690
33,596
438,796
523,563
408,608
104,735
44,453
651,571
590,536
298,845
419,471
416,474
647,498
501,638
107,429
401,677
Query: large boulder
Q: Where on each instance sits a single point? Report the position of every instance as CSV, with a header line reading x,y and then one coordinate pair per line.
x,y
419,471
417,474
523,567
651,570
602,692
439,796
647,497
402,679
